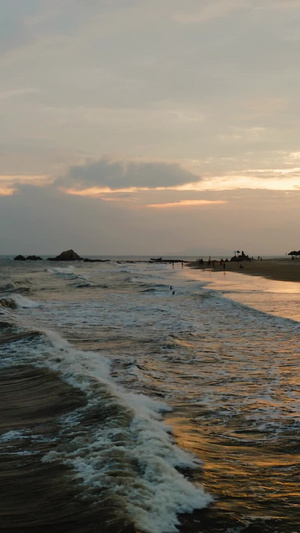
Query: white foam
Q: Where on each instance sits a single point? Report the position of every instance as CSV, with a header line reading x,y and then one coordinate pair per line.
x,y
103,454
77,364
153,496
22,301
11,435
157,492
62,271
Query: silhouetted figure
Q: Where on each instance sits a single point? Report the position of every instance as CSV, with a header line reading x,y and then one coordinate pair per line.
x,y
173,292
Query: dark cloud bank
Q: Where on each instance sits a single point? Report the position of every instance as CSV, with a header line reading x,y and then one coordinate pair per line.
x,y
119,175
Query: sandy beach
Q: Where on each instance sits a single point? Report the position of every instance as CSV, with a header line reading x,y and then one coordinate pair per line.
x,y
281,269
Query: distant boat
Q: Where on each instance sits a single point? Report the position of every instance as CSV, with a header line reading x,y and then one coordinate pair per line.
x,y
156,259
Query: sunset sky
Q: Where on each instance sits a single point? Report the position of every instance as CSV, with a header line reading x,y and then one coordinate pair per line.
x,y
150,126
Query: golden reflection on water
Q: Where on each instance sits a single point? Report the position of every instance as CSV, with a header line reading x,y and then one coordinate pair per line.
x,y
244,474
184,343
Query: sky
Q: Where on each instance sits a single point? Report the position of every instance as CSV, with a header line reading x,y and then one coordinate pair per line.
x,y
149,127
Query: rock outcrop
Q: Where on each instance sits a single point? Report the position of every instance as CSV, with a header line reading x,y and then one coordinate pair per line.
x,y
68,255
28,258
34,258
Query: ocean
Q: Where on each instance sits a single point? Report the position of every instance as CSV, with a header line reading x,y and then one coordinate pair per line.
x,y
147,397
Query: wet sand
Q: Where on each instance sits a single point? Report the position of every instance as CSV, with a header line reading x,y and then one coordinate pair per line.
x,y
36,496
281,269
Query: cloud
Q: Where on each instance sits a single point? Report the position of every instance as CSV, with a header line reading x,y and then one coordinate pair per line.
x,y
43,220
257,109
244,135
7,190
285,5
196,12
4,95
122,175
186,203
9,184
131,77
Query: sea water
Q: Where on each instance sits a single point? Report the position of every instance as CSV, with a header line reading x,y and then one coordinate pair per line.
x,y
191,416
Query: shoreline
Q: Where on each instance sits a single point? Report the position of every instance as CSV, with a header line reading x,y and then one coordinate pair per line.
x,y
279,269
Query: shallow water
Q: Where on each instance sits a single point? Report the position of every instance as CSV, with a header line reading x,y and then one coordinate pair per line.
x,y
191,411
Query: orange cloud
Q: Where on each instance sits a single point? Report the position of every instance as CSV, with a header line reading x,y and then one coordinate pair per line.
x,y
186,203
7,191
9,184
99,192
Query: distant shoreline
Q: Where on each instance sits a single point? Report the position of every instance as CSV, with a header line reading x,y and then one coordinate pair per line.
x,y
280,269
276,268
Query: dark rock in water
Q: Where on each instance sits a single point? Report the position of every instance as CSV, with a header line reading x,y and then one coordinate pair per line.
x,y
87,260
33,258
28,258
68,255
